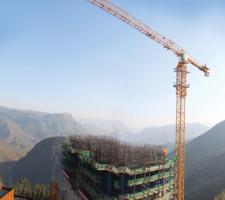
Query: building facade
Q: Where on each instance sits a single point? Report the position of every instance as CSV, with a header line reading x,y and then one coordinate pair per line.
x,y
124,172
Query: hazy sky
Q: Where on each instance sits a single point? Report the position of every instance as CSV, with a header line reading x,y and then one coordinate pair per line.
x,y
70,56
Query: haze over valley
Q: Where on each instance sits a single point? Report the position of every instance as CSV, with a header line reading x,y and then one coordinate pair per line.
x,y
20,130
35,138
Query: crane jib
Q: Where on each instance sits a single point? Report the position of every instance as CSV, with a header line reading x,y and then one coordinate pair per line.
x,y
149,32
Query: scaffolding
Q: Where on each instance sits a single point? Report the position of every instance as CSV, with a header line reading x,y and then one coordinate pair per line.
x,y
104,168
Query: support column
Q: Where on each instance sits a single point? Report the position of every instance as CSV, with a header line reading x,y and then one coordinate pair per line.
x,y
181,93
122,184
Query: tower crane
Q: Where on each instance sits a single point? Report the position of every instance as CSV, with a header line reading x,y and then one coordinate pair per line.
x,y
181,83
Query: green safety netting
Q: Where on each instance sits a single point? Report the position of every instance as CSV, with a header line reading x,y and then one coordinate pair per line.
x,y
145,180
93,177
85,157
151,191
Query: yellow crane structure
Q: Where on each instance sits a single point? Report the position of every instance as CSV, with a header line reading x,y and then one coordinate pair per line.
x,y
181,84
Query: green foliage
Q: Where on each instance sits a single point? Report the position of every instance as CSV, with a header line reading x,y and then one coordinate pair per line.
x,y
221,196
37,192
1,181
23,188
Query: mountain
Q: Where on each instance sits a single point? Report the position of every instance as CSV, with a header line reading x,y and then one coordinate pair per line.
x,y
159,135
112,128
165,134
205,164
20,130
40,165
106,125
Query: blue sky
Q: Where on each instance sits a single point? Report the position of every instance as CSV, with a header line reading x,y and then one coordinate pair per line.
x,y
69,56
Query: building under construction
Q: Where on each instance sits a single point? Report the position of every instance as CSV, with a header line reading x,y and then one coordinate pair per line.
x,y
103,168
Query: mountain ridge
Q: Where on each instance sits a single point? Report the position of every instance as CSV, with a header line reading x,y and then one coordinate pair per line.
x,y
205,164
159,135
205,169
20,130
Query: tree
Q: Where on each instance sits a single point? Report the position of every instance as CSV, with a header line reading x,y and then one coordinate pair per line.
x,y
39,192
1,181
23,188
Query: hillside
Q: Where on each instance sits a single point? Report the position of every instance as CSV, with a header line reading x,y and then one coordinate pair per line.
x,y
40,165
205,164
20,130
10,152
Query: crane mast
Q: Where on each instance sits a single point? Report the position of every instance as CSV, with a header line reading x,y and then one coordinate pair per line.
x,y
181,84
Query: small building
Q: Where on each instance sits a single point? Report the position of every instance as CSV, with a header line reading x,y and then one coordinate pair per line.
x,y
6,193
